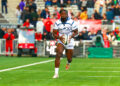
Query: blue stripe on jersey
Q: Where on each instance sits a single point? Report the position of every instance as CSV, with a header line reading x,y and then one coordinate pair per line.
x,y
68,23
75,27
57,24
72,23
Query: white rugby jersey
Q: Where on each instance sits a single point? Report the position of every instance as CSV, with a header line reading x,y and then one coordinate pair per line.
x,y
65,28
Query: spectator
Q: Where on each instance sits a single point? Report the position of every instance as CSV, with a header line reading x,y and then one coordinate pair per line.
x,y
97,15
33,6
48,24
14,32
116,31
2,32
39,13
70,13
114,2
45,36
40,26
78,15
4,5
27,3
38,36
54,2
9,42
68,2
79,37
109,14
117,12
48,3
56,13
92,34
90,8
27,23
83,15
18,14
61,8
100,6
104,33
118,36
102,3
85,34
105,38
84,3
79,4
28,16
104,16
62,3
73,2
111,37
34,17
45,13
108,3
24,13
119,2
98,41
22,5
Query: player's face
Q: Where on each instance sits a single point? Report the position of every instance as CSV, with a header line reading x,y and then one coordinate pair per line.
x,y
64,15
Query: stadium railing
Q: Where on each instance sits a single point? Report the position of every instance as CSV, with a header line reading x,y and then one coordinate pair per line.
x,y
44,48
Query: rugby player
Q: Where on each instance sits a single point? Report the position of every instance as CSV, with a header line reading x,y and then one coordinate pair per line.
x,y
65,29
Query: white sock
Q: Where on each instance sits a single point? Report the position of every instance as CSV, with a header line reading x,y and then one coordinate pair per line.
x,y
68,63
56,70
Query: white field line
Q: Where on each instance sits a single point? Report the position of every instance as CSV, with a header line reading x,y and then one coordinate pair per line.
x,y
23,66
73,71
105,67
96,63
99,76
93,71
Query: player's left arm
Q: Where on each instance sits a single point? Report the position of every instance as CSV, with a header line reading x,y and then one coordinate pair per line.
x,y
74,30
74,33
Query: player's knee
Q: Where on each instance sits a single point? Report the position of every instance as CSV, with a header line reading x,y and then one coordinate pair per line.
x,y
59,54
69,60
57,59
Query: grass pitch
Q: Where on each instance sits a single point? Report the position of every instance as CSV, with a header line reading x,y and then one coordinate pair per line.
x,y
83,72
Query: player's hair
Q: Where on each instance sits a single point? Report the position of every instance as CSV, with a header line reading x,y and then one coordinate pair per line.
x,y
64,11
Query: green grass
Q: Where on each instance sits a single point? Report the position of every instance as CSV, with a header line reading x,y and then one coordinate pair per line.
x,y
83,72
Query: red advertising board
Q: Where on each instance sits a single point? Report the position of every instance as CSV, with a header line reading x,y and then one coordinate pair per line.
x,y
90,24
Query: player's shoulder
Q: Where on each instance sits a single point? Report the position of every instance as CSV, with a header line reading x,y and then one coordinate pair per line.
x,y
70,20
58,22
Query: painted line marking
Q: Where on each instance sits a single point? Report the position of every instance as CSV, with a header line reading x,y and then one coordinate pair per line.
x,y
23,66
105,67
99,76
92,71
73,71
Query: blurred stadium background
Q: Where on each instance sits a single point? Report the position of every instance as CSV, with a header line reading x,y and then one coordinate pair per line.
x,y
99,37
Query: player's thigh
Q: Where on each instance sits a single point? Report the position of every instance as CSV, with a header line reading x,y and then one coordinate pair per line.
x,y
60,48
69,53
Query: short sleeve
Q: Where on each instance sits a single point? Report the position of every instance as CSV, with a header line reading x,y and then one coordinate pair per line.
x,y
55,27
74,25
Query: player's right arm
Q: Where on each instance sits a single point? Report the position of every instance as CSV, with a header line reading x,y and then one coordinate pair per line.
x,y
56,33
56,36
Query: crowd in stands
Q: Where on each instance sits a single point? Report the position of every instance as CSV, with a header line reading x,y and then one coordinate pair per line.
x,y
28,14
88,9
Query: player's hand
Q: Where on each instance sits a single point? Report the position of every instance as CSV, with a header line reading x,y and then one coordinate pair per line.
x,y
62,38
70,37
